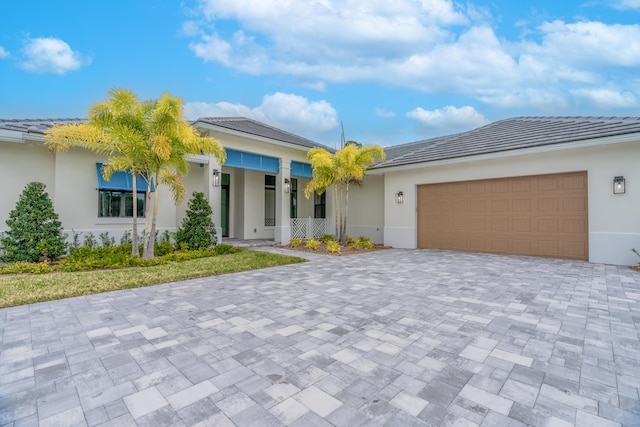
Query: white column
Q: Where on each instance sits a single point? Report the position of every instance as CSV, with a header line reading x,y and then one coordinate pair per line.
x,y
215,195
282,232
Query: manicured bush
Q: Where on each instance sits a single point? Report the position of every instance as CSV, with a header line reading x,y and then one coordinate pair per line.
x,y
295,242
197,229
333,246
312,244
34,232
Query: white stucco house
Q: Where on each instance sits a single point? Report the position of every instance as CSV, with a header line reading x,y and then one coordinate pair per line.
x,y
564,187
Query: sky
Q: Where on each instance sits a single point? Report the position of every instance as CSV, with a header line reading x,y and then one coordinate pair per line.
x,y
388,71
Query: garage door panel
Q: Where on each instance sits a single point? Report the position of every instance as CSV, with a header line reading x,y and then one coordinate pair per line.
x,y
521,205
543,215
521,225
574,204
500,206
574,226
548,204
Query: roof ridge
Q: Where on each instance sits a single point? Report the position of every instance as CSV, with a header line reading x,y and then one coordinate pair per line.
x,y
239,118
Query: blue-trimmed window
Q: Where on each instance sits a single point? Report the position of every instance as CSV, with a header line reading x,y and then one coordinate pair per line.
x,y
258,162
301,169
115,197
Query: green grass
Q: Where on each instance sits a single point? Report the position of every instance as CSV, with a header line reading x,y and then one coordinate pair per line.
x,y
21,289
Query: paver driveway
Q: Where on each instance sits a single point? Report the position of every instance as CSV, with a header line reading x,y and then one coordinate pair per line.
x,y
395,338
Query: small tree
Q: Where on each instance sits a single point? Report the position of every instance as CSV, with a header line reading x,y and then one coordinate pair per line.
x,y
34,230
341,170
197,229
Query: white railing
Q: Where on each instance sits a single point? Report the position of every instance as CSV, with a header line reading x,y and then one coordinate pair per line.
x,y
307,228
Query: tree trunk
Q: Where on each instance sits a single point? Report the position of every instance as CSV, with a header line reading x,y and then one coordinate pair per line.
x,y
336,208
147,203
149,252
134,237
346,211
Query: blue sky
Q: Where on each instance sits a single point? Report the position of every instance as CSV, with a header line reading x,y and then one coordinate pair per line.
x,y
391,71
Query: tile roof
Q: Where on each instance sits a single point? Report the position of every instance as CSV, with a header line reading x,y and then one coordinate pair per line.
x,y
242,124
38,126
509,134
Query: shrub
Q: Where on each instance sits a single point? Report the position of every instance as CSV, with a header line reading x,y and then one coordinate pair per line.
x,y
90,241
333,246
126,237
364,242
224,249
349,241
106,240
312,244
197,229
34,231
295,243
328,238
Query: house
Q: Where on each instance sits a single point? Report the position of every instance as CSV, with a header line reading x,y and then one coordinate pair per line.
x,y
563,187
254,195
566,187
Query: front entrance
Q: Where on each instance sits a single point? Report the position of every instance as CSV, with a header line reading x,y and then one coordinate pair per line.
x,y
224,208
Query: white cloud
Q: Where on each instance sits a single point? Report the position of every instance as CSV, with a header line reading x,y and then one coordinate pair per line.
x,y
448,118
607,98
438,47
381,112
290,112
626,4
3,53
51,55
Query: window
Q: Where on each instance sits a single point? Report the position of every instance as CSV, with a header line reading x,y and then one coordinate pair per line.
x,y
113,203
269,200
115,197
319,205
294,198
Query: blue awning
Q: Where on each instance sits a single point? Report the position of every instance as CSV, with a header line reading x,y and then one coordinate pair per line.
x,y
121,181
258,162
301,169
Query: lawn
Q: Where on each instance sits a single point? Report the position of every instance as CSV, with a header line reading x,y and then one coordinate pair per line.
x,y
18,289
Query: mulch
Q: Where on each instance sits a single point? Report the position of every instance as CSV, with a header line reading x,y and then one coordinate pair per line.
x,y
345,250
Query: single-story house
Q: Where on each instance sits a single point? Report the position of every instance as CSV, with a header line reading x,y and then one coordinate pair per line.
x,y
563,187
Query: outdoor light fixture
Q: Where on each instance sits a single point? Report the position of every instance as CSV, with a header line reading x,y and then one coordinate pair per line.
x,y
216,178
399,197
618,185
287,185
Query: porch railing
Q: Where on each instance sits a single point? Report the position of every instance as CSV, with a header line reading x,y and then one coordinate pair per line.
x,y
308,228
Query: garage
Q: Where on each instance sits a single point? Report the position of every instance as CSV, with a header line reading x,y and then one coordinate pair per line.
x,y
541,215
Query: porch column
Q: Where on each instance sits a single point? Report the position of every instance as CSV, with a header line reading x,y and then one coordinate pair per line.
x,y
215,194
282,232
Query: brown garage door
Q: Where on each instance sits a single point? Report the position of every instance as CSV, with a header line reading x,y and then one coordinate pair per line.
x,y
543,215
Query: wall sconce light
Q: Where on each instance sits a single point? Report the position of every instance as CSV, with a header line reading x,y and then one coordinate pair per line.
x,y
399,197
216,178
287,185
619,185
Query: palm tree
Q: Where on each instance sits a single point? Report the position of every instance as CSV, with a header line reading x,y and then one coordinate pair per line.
x,y
171,138
113,129
341,170
148,139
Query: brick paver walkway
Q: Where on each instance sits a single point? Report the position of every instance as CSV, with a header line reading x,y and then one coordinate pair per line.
x,y
393,338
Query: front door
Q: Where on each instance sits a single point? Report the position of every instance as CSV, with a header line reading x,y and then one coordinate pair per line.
x,y
224,212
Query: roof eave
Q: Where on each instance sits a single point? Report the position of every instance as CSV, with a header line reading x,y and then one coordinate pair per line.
x,y
209,126
594,142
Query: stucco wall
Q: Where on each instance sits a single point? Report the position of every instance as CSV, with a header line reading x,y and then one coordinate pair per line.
x,y
195,180
614,227
72,183
21,164
366,209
